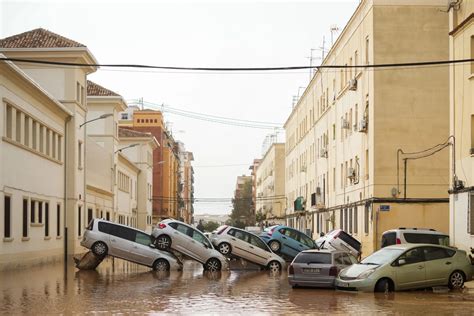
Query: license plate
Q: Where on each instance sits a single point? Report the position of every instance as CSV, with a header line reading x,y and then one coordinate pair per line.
x,y
311,270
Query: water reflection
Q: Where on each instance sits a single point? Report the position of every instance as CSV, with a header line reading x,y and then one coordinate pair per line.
x,y
119,286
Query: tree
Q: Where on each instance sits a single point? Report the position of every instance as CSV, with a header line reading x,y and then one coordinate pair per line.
x,y
200,225
242,215
210,226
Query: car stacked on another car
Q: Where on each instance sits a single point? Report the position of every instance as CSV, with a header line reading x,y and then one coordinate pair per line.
x,y
338,239
318,268
404,235
233,241
107,238
287,241
176,235
407,266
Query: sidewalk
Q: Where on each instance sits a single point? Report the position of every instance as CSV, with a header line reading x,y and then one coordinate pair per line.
x,y
469,285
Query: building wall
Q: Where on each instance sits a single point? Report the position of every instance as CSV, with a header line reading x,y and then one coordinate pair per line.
x,y
461,42
31,176
330,155
126,179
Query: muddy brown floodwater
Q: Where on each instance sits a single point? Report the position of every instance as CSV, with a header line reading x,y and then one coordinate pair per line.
x,y
121,287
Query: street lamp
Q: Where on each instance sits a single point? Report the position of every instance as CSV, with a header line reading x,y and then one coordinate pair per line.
x,y
129,146
103,116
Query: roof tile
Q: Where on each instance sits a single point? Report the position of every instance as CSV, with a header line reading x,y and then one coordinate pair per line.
x,y
93,89
38,38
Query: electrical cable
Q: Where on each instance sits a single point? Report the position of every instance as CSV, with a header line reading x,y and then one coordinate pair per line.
x,y
407,64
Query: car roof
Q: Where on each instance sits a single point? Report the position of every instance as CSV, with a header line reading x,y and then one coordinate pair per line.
x,y
409,246
233,227
110,222
416,230
323,251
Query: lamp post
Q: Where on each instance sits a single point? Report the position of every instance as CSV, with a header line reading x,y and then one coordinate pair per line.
x,y
103,116
129,146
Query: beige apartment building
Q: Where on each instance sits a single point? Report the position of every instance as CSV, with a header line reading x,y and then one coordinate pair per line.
x,y
461,46
344,133
42,175
271,200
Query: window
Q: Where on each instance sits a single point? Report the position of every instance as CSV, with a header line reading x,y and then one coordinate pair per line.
x,y
79,155
41,139
46,219
18,127
143,239
413,256
58,220
341,218
305,240
32,211
40,212
26,140
79,221
367,47
419,238
7,233
25,218
435,253
345,219
350,220
9,124
89,215
366,219
389,239
313,257
366,164
78,92
123,182
356,219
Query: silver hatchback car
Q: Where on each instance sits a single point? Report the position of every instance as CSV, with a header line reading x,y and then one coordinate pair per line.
x,y
243,244
318,268
107,238
176,235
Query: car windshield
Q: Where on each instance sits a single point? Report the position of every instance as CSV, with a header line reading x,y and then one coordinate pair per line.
x,y
382,256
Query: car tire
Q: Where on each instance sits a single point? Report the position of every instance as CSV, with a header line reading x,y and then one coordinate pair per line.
x,y
213,265
383,286
274,266
225,248
161,265
163,242
275,246
100,249
456,280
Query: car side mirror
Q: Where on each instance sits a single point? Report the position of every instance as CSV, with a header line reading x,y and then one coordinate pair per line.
x,y
152,245
401,262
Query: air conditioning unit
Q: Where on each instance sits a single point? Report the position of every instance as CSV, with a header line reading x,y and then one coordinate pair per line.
x,y
346,124
323,153
353,84
363,125
351,173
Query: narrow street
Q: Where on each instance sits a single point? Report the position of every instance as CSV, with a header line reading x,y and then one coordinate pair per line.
x,y
118,286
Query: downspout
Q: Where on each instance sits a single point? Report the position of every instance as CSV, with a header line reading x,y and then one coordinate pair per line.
x,y
65,189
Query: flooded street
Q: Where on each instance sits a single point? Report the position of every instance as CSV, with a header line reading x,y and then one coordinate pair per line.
x,y
121,287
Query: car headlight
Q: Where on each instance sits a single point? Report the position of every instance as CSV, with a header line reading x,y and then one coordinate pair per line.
x,y
366,274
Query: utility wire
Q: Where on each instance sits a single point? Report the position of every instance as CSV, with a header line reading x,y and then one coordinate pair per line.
x,y
408,64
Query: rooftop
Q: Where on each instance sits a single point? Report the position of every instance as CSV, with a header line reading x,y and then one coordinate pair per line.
x,y
38,38
93,89
125,132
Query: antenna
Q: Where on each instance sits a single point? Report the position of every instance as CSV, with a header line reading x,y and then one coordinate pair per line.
x,y
322,48
334,29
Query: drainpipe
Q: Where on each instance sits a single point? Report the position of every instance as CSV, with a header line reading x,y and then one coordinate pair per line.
x,y
65,190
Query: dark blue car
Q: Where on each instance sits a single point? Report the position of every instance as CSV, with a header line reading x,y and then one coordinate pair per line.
x,y
287,241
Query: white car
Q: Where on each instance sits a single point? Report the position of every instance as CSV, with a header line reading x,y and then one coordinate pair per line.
x,y
404,235
340,240
243,244
176,235
107,238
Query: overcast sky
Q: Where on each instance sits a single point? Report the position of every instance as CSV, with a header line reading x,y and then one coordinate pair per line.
x,y
197,34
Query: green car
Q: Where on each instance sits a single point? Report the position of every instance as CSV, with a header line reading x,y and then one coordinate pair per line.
x,y
407,266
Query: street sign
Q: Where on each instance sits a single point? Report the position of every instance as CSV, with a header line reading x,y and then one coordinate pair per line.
x,y
384,208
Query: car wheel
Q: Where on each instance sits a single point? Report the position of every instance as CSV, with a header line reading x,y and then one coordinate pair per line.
x,y
161,265
383,286
163,242
224,248
274,266
274,245
456,280
213,265
100,249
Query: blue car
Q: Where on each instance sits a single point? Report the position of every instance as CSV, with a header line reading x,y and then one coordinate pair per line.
x,y
287,241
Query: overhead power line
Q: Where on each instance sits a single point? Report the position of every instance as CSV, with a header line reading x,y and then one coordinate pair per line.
x,y
407,64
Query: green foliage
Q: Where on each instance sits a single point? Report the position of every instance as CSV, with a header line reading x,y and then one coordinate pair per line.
x,y
210,226
242,214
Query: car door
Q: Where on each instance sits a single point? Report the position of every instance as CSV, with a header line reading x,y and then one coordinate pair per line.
x,y
410,269
141,249
290,241
259,250
438,265
122,241
182,238
305,242
199,245
240,244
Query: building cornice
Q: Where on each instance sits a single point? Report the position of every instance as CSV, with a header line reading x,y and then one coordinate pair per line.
x,y
463,24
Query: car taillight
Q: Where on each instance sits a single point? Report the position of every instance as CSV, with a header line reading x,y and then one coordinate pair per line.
x,y
270,232
333,271
220,231
399,241
161,225
291,270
